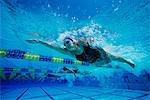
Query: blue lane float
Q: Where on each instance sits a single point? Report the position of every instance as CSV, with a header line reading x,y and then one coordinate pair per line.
x,y
19,54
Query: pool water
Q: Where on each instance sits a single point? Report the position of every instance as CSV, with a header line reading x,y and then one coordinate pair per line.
x,y
33,71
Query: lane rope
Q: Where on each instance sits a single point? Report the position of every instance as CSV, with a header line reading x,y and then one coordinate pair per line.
x,y
19,54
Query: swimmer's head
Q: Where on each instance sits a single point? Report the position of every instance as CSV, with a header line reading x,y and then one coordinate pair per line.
x,y
65,68
68,41
69,44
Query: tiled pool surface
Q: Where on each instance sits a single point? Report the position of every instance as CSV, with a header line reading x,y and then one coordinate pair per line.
x,y
72,93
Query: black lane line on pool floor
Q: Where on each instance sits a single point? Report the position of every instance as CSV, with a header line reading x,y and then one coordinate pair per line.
x,y
140,96
47,94
121,95
22,94
74,93
111,94
114,93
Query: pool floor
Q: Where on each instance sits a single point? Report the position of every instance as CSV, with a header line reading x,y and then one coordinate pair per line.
x,y
72,93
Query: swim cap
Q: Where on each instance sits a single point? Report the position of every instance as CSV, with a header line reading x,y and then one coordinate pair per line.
x,y
68,41
65,68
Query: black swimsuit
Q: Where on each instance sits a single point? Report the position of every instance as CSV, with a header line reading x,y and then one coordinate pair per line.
x,y
91,55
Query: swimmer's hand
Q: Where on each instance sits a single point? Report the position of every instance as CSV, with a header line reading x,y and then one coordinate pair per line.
x,y
132,64
33,41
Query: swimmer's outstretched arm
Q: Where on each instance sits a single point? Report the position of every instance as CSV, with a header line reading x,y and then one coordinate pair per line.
x,y
120,59
61,50
83,41
72,71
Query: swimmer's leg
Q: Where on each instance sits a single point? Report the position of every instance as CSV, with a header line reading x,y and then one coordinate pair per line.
x,y
120,59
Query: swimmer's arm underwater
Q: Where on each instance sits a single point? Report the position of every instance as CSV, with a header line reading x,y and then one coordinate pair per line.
x,y
83,41
121,59
72,71
61,50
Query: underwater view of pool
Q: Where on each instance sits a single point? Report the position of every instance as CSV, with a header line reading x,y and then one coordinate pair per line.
x,y
49,50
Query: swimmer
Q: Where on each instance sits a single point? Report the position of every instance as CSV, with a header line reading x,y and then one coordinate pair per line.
x,y
82,51
73,70
70,70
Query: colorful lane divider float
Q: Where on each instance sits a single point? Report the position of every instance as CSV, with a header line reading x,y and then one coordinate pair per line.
x,y
25,73
19,54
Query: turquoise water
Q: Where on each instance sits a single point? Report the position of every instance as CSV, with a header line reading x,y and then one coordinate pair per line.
x,y
121,27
